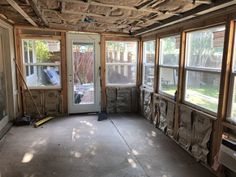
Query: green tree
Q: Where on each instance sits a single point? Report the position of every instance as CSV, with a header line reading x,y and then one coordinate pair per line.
x,y
42,52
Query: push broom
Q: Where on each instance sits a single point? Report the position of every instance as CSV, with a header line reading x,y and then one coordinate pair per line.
x,y
41,117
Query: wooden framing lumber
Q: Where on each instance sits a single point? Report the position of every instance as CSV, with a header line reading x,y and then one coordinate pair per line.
x,y
22,12
37,10
224,87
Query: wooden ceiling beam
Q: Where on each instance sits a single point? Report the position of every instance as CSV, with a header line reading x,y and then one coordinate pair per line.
x,y
37,10
22,12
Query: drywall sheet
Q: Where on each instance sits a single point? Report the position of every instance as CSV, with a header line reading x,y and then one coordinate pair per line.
x,y
111,99
52,102
29,105
185,129
170,118
48,102
201,132
163,113
147,105
156,110
123,103
121,100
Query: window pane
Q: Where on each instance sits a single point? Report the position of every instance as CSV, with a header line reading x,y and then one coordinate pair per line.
x,y
233,108
121,58
43,76
42,51
169,51
121,74
205,48
148,63
149,52
168,80
148,75
202,89
83,56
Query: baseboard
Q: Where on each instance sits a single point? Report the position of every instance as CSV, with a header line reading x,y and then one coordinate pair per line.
x,y
5,130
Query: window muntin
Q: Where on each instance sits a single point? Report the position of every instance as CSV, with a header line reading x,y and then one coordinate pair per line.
x,y
203,60
148,63
42,63
121,62
168,64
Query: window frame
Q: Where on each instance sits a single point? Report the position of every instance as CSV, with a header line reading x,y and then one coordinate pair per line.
x,y
24,65
149,64
232,79
164,66
135,64
199,70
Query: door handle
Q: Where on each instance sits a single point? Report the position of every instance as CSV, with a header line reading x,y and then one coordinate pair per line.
x,y
100,72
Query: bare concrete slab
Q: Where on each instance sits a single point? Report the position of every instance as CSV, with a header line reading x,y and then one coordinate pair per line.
x,y
79,146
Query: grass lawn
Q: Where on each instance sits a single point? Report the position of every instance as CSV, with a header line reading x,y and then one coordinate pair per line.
x,y
211,91
203,102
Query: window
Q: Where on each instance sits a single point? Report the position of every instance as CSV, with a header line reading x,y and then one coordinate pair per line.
x,y
168,64
232,94
204,52
121,63
148,63
41,60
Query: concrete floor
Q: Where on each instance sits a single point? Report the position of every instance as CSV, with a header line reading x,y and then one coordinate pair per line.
x,y
79,146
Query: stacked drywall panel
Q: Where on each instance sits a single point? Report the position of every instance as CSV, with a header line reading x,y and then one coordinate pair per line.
x,y
111,99
52,102
29,107
121,100
194,130
147,104
48,102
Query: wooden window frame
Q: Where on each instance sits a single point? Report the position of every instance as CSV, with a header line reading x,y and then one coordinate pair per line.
x,y
25,38
148,64
200,69
172,97
132,64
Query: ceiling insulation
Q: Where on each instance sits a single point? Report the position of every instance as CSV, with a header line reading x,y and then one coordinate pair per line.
x,y
123,16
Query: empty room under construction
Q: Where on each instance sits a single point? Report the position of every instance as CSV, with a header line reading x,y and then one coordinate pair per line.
x,y
105,88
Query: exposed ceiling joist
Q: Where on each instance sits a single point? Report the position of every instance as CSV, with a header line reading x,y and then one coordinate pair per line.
x,y
22,12
200,10
116,6
37,10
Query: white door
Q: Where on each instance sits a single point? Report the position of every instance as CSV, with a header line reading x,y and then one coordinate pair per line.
x,y
83,56
3,85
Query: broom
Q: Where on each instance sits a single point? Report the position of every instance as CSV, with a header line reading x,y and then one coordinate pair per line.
x,y
41,117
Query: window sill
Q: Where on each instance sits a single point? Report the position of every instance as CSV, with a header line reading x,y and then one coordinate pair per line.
x,y
150,89
121,85
44,88
200,110
229,125
167,98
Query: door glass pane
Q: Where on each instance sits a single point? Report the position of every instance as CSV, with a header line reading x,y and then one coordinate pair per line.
x,y
3,103
83,57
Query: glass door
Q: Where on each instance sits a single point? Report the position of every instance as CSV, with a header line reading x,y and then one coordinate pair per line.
x,y
83,73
